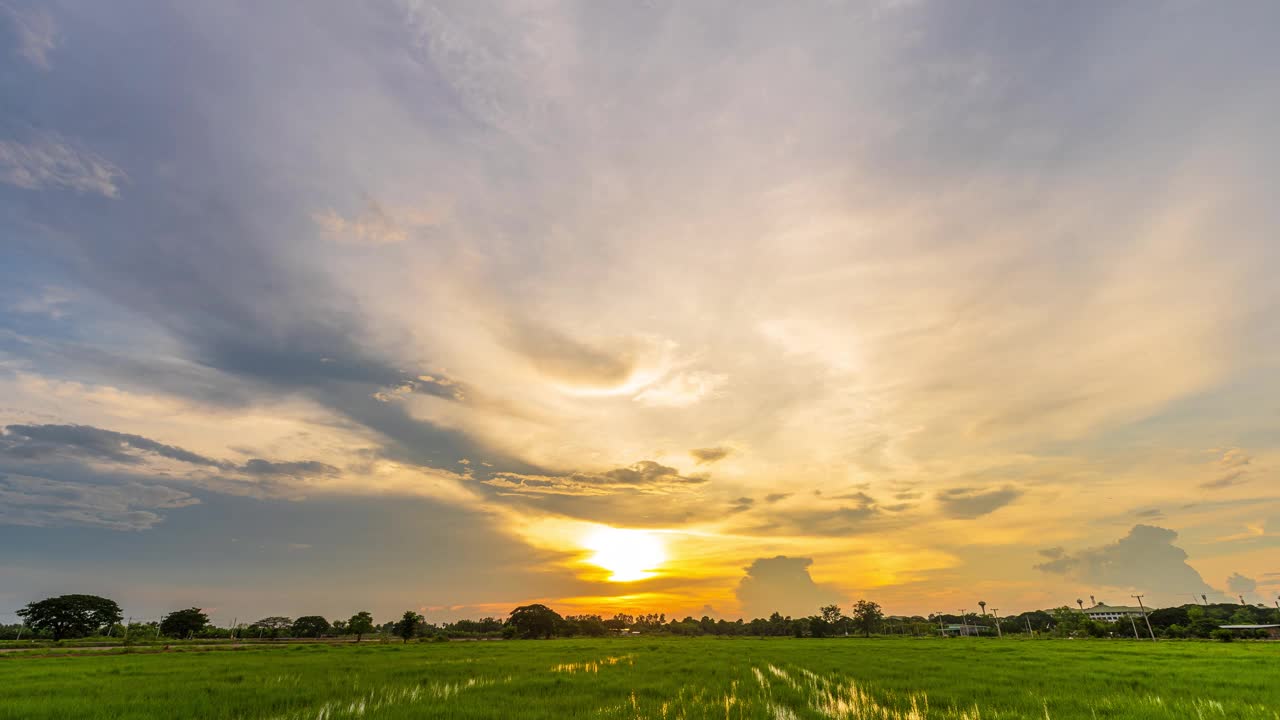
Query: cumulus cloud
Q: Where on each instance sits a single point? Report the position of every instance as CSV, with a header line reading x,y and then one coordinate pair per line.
x,y
646,477
1146,559
782,584
1240,585
707,456
42,502
970,503
36,33
49,161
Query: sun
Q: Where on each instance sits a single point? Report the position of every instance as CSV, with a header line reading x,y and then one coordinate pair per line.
x,y
628,555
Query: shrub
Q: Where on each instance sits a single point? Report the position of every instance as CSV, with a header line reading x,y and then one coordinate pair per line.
x,y
1222,635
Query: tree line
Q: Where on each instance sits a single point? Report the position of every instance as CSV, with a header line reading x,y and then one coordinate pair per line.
x,y
79,616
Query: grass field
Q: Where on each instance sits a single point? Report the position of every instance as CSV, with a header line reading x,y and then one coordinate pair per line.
x,y
778,679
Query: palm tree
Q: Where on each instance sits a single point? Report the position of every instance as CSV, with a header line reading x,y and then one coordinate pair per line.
x,y
983,604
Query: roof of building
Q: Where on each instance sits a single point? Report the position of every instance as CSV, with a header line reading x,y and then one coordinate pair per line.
x,y
1248,627
1103,608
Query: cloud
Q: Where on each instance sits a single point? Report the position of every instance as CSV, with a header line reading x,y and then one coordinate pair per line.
x,y
1234,458
38,442
1236,477
854,513
306,468
1146,560
1240,585
378,225
47,160
707,456
681,389
782,584
41,502
968,503
645,477
36,31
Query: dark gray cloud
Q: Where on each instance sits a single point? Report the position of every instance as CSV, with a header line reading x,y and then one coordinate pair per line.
x,y
742,504
775,497
782,584
971,503
40,442
1146,559
43,502
846,514
706,456
260,467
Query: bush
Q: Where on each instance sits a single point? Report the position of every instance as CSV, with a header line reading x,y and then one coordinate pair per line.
x,y
1222,635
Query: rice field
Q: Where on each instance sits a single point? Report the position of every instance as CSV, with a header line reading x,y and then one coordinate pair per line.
x,y
641,678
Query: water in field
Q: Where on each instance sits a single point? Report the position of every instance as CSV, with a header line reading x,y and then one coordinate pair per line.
x,y
635,679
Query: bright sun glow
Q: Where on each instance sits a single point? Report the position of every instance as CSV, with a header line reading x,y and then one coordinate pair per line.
x,y
628,555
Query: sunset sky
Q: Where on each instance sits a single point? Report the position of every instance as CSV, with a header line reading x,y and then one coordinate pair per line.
x,y
696,308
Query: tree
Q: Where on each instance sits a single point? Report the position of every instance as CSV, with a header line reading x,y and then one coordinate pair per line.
x,y
273,625
70,615
312,626
832,614
183,623
531,621
866,615
360,623
407,627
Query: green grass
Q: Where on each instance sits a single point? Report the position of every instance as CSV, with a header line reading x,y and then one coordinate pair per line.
x,y
777,679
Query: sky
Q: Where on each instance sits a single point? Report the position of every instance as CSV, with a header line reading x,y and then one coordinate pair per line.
x,y
696,308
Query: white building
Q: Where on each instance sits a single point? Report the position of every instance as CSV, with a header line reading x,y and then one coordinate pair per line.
x,y
1111,613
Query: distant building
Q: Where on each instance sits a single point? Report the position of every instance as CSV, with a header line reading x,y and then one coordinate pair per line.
x,y
958,630
1272,631
1111,613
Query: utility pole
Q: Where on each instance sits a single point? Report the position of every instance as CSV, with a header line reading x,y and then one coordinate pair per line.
x,y
126,628
995,612
1030,632
1144,617
234,622
1135,627
964,621
942,629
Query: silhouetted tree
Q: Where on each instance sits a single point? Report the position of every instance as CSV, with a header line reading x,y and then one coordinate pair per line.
x,y
273,625
311,626
183,623
866,616
70,616
407,627
536,620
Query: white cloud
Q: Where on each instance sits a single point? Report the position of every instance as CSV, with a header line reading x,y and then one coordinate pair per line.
x,y
49,160
37,33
